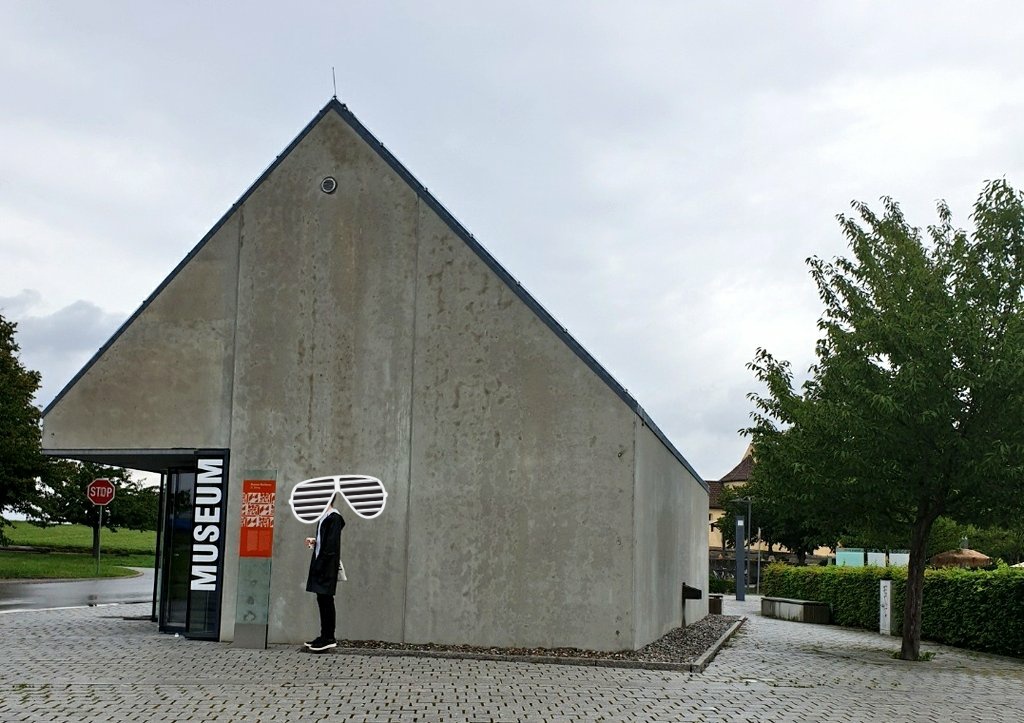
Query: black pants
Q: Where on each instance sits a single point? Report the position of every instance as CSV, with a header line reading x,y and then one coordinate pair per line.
x,y
327,615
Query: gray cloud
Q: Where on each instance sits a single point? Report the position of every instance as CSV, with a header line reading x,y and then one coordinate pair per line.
x,y
655,173
58,344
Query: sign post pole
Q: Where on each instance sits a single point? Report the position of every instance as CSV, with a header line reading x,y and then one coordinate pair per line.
x,y
100,492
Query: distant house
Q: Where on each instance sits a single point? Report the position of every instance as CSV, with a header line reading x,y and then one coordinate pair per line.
x,y
736,477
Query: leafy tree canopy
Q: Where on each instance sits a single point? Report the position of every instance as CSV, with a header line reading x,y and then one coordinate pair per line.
x,y
21,461
61,498
730,501
915,406
779,516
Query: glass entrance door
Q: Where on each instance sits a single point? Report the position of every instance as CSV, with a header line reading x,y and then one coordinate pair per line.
x,y
177,549
191,576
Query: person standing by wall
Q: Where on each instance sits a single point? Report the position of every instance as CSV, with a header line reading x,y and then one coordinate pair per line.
x,y
323,574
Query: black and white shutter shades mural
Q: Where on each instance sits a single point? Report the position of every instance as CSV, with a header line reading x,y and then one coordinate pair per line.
x,y
365,495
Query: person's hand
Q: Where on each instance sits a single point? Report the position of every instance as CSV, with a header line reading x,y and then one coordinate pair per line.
x,y
310,542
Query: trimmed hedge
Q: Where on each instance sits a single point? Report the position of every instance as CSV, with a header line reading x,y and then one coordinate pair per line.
x,y
721,586
976,609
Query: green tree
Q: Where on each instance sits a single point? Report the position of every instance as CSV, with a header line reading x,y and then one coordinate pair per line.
x,y
1003,543
783,519
915,405
21,461
733,506
61,498
779,515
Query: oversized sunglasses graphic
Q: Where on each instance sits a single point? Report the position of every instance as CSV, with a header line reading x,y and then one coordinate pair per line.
x,y
365,495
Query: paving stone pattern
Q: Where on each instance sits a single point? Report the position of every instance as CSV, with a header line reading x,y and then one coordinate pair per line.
x,y
91,664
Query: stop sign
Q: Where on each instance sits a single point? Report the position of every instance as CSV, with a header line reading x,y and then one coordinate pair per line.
x,y
100,491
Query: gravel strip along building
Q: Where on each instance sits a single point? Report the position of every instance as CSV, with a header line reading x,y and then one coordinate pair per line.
x,y
338,320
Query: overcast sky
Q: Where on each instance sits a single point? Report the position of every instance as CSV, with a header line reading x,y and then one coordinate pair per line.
x,y
655,173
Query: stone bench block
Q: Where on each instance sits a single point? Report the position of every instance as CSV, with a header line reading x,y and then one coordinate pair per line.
x,y
802,611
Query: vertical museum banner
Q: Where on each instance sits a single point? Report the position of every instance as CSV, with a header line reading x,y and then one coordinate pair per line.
x,y
209,525
257,538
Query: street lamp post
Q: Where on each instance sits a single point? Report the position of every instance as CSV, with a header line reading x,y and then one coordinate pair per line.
x,y
741,560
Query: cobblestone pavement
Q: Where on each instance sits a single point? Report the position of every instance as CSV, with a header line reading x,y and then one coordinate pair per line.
x,y
92,664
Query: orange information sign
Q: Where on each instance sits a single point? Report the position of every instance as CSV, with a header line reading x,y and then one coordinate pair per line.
x,y
257,539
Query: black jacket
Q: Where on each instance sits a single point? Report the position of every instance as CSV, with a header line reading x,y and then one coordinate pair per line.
x,y
323,568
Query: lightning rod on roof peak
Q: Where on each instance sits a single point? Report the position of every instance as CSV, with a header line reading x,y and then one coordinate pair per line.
x,y
334,80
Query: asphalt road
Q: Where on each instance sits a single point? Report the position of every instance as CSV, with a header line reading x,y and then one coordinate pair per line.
x,y
21,595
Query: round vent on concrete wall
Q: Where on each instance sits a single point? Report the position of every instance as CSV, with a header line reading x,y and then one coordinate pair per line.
x,y
329,185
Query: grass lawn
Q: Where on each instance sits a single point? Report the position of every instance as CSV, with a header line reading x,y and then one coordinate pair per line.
x,y
55,565
78,538
71,555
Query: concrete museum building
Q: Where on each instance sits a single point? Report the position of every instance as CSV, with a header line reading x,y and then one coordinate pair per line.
x,y
338,320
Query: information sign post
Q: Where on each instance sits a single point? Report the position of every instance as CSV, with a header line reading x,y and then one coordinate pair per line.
x,y
885,607
255,550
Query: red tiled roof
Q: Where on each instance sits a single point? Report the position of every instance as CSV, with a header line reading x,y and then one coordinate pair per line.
x,y
715,493
741,472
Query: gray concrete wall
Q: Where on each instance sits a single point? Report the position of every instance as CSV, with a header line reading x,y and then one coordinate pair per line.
x,y
508,462
525,506
165,381
323,367
520,513
670,539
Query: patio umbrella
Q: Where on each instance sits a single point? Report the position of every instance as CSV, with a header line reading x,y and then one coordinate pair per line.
x,y
962,557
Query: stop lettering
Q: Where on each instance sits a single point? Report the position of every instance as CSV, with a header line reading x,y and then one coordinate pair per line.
x,y
100,491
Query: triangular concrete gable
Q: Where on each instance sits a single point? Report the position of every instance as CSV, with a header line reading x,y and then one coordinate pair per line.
x,y
366,331
220,310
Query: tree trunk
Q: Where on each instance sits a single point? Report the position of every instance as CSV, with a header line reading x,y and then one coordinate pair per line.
x,y
915,588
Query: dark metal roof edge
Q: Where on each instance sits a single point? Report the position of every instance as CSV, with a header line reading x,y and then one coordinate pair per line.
x,y
157,460
195,250
161,452
517,288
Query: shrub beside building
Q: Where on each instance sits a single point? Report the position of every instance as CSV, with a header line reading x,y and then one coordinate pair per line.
x,y
976,609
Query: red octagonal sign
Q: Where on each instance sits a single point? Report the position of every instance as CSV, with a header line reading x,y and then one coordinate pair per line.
x,y
100,492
